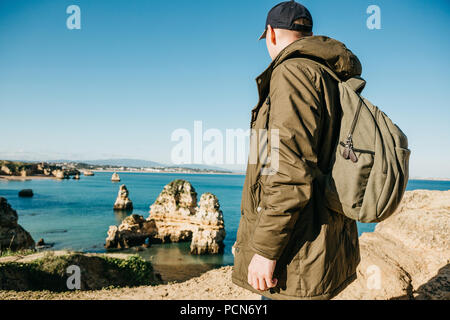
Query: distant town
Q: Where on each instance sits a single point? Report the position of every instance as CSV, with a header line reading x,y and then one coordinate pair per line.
x,y
70,169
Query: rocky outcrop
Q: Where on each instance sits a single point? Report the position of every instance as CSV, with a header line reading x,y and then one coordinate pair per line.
x,y
5,170
12,235
177,218
76,177
115,177
24,169
408,255
209,236
134,231
59,174
88,173
123,202
26,193
173,210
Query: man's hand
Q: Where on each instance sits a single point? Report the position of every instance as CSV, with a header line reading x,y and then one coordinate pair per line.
x,y
260,273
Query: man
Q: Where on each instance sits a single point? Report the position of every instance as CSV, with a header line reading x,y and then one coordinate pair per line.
x,y
289,245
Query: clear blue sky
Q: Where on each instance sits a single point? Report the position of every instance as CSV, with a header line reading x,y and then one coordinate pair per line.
x,y
139,69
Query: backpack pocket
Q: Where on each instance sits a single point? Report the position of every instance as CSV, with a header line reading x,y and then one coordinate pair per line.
x,y
403,156
347,198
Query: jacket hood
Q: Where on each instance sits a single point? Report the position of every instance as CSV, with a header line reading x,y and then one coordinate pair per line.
x,y
330,52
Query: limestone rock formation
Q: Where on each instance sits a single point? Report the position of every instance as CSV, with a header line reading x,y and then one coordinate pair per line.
x,y
408,255
133,231
122,201
88,173
12,235
25,169
5,170
115,177
177,218
209,236
173,211
76,177
26,172
59,174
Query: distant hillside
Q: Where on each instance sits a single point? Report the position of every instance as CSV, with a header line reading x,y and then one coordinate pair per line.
x,y
133,163
202,167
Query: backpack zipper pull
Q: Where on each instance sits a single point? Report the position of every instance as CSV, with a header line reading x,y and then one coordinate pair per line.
x,y
349,153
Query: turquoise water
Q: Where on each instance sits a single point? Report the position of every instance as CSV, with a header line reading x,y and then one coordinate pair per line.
x,y
76,214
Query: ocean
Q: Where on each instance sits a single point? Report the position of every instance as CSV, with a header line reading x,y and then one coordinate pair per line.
x,y
76,215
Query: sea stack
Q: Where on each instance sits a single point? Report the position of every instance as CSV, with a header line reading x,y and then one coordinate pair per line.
x,y
175,217
210,234
12,235
178,218
123,203
26,193
88,173
115,177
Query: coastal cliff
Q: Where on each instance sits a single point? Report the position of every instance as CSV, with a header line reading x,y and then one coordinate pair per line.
x,y
23,169
175,217
48,271
12,236
408,255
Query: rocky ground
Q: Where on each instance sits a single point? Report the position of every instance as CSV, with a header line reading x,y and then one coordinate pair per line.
x,y
407,257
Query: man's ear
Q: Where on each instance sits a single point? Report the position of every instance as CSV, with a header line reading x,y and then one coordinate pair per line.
x,y
271,35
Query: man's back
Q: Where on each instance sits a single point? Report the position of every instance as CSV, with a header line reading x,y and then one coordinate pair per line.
x,y
283,213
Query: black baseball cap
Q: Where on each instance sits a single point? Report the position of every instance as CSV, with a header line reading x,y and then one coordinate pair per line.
x,y
284,15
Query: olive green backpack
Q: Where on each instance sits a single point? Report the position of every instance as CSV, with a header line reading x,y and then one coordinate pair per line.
x,y
370,168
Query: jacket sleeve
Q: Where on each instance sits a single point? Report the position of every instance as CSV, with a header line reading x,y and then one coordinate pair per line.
x,y
295,111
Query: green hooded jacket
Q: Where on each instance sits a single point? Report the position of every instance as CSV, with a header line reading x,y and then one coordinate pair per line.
x,y
283,216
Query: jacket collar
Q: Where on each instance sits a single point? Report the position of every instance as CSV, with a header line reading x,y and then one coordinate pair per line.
x,y
325,50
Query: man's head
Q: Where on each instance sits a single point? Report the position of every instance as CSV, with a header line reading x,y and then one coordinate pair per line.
x,y
286,23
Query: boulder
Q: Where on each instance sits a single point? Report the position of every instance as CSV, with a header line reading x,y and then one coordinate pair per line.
x,y
12,235
115,177
76,177
26,193
408,255
88,173
123,203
